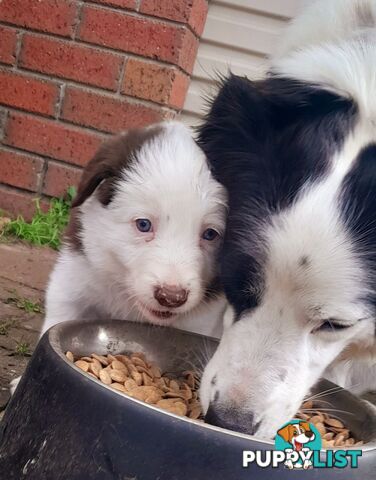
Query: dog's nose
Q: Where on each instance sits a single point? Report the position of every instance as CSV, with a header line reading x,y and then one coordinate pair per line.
x,y
171,296
309,433
231,418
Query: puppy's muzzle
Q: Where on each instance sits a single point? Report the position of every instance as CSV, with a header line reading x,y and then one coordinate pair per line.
x,y
171,296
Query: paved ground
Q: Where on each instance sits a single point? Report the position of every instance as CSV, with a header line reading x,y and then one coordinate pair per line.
x,y
24,272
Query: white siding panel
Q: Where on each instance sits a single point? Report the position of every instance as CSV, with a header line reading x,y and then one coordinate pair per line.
x,y
241,29
238,36
220,58
282,8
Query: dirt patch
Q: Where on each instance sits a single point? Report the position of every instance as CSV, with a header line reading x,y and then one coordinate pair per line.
x,y
23,276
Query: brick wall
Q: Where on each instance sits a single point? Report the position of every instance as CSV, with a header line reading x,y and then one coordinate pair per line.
x,y
72,72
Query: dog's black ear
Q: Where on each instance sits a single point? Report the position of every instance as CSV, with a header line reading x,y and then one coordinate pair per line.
x,y
236,123
103,171
235,137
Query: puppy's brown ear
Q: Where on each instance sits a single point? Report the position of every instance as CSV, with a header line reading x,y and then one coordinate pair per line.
x,y
286,433
102,172
104,168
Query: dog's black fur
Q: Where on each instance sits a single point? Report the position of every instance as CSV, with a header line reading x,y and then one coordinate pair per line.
x,y
265,140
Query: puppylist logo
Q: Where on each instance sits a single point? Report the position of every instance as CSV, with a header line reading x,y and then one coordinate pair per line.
x,y
298,446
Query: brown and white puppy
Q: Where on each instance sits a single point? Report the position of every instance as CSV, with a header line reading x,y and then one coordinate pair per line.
x,y
144,234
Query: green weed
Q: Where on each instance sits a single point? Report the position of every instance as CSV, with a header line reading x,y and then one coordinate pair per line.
x,y
45,228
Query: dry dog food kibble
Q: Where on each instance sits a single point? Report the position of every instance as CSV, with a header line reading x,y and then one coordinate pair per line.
x,y
333,432
135,376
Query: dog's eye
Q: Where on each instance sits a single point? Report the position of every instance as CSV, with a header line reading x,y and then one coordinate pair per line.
x,y
144,225
331,326
210,234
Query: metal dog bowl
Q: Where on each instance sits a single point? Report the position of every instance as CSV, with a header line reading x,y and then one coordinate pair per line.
x,y
63,424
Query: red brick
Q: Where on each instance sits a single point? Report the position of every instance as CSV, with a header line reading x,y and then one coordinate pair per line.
x,y
19,203
130,4
28,93
142,36
52,139
8,45
69,60
59,178
192,12
165,85
105,112
54,16
20,170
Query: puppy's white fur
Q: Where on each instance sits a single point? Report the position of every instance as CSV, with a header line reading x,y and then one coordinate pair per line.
x,y
169,182
268,360
115,273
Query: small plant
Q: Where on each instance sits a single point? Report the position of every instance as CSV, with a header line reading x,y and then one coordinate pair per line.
x,y
23,349
6,326
24,303
45,228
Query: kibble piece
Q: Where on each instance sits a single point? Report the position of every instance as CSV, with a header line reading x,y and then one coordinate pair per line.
x,y
70,356
174,386
333,422
155,371
179,408
190,378
167,402
95,369
118,376
339,439
130,384
104,377
118,386
153,398
137,377
96,362
87,359
318,418
321,428
103,360
82,365
117,365
146,380
142,392
137,361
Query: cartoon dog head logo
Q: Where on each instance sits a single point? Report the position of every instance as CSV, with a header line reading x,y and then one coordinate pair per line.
x,y
298,439
297,434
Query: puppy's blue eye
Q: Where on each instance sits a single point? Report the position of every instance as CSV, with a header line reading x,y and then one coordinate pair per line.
x,y
210,234
143,225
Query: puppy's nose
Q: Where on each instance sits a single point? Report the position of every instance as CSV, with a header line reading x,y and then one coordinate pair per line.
x,y
309,433
171,296
231,418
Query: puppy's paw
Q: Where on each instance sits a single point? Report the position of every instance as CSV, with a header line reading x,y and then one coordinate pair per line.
x,y
13,385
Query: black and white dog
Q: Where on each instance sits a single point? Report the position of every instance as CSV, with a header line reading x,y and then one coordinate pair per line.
x,y
297,154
